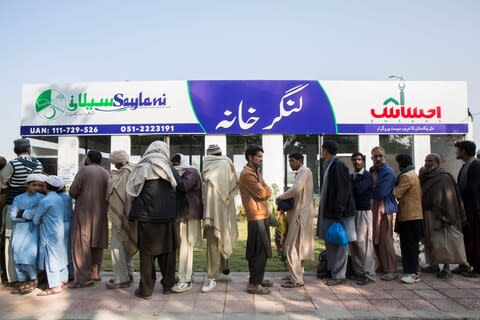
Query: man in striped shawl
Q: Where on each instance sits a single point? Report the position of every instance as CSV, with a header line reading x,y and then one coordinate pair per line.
x,y
16,171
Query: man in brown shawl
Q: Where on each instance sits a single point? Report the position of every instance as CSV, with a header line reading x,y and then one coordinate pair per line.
x,y
442,206
89,221
123,242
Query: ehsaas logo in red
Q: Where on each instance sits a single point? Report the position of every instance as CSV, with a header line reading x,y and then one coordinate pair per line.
x,y
393,109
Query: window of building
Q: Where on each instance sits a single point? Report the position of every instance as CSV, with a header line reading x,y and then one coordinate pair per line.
x,y
444,146
191,146
394,145
308,146
347,144
236,148
99,143
45,150
139,145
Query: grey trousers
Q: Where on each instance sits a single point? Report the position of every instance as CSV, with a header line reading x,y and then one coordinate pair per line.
x,y
216,263
122,263
337,257
362,250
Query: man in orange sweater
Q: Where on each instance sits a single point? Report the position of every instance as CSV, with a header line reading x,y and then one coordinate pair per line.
x,y
255,193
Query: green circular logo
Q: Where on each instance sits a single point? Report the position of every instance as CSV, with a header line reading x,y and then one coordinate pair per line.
x,y
50,104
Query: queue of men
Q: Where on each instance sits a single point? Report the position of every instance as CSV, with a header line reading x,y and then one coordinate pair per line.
x,y
159,206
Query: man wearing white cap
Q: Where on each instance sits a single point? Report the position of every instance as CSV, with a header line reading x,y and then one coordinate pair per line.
x,y
51,250
219,215
123,242
67,227
25,235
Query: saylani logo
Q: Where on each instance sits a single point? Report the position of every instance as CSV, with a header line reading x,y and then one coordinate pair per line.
x,y
50,104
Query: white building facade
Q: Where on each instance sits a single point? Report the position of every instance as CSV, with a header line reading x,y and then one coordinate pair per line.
x,y
284,116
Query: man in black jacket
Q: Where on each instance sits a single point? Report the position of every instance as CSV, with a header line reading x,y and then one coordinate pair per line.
x,y
336,205
362,251
469,185
153,183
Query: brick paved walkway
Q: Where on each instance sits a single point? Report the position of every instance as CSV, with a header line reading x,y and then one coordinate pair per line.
x,y
431,298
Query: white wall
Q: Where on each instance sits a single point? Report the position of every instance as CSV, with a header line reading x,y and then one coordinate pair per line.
x,y
273,165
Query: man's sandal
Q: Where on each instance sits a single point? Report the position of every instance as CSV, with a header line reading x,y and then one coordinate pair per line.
x,y
290,284
267,283
48,292
253,289
78,285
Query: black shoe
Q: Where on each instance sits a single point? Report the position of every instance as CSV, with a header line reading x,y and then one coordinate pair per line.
x,y
430,269
365,281
324,275
167,291
470,274
110,285
335,282
460,269
139,295
444,274
354,276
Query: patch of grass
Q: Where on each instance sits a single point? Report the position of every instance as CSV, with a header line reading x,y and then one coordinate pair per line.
x,y
237,261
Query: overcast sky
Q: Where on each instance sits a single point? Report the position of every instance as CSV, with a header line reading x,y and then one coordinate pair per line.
x,y
66,41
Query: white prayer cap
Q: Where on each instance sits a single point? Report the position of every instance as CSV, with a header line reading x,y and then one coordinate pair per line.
x,y
35,177
55,181
44,177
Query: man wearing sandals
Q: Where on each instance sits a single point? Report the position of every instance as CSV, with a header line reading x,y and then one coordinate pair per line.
x,y
299,240
255,193
25,235
51,249
90,222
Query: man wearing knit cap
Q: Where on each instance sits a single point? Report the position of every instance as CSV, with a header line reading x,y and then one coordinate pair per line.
x,y
219,215
51,248
25,235
90,221
123,242
15,172
189,215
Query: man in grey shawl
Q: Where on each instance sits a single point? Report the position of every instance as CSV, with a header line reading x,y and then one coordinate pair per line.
x,y
123,241
219,215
